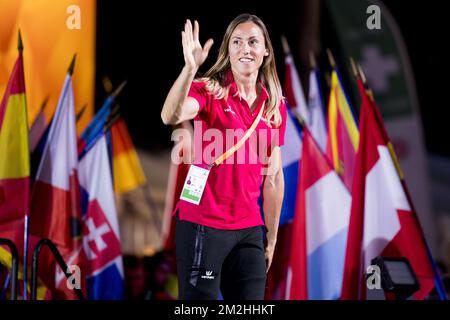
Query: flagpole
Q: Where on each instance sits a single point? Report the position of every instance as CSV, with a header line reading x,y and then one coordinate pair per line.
x,y
300,120
112,118
364,81
25,231
80,113
312,60
44,103
72,64
286,49
331,59
25,257
25,235
354,69
119,89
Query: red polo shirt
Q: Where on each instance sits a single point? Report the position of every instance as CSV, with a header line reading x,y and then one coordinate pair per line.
x,y
230,198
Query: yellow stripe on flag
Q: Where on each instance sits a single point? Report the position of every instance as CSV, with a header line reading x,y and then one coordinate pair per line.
x,y
14,151
332,122
128,173
338,105
344,109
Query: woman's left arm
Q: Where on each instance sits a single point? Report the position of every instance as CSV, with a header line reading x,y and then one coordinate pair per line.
x,y
273,192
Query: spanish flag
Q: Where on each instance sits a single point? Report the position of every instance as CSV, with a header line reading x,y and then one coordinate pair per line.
x,y
14,160
127,170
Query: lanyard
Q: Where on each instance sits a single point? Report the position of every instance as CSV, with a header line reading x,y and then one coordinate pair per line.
x,y
234,148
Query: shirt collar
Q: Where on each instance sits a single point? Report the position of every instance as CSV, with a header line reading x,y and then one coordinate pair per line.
x,y
233,91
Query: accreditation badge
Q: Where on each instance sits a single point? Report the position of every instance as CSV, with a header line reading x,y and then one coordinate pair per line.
x,y
194,185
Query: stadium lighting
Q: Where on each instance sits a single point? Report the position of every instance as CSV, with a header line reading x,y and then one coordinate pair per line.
x,y
397,276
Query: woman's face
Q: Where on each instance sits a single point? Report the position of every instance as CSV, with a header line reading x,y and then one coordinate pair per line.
x,y
247,48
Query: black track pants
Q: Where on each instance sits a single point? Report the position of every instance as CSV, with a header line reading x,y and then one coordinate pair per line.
x,y
209,260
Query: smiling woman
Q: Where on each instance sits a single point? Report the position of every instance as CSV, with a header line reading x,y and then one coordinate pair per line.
x,y
247,50
219,234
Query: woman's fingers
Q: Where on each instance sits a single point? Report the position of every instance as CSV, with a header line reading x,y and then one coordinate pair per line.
x,y
191,43
189,31
183,40
186,32
196,31
183,33
208,46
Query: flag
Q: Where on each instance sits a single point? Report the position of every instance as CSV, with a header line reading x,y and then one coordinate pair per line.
x,y
96,127
293,87
127,171
382,220
38,139
38,128
14,162
388,68
343,133
101,237
55,201
317,124
126,168
290,156
320,228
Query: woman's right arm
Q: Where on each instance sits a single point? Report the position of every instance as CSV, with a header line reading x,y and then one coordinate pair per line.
x,y
178,107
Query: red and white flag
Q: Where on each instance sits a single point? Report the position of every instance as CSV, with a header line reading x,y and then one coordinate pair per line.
x,y
55,203
382,220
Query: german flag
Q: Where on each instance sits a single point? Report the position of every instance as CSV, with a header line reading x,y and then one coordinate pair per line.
x,y
127,170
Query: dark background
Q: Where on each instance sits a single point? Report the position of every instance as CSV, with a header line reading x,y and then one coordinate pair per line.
x,y
141,42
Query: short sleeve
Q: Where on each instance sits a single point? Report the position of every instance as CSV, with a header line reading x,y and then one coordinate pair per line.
x,y
199,93
282,127
277,133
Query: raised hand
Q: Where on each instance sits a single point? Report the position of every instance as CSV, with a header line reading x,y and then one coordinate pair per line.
x,y
194,53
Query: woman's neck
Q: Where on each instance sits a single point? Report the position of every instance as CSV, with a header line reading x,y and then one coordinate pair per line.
x,y
246,85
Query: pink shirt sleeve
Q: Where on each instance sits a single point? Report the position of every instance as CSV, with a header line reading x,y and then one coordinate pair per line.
x,y
282,128
277,136
199,93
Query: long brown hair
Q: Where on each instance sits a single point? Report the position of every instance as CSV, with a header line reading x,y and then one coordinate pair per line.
x,y
215,76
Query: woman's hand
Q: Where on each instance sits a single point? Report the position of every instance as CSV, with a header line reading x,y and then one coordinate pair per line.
x,y
194,54
268,252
